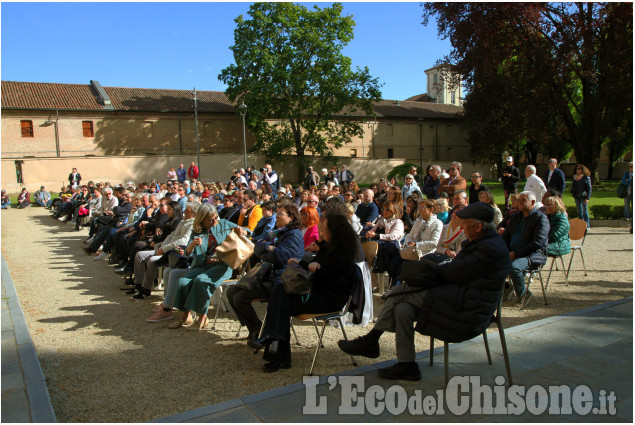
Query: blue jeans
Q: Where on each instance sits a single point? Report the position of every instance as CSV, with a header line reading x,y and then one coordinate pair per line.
x,y
628,206
583,210
6,205
517,275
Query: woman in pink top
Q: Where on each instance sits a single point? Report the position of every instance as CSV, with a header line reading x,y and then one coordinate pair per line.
x,y
310,219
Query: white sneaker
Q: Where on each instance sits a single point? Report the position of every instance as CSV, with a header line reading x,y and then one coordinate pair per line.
x,y
102,256
89,240
63,219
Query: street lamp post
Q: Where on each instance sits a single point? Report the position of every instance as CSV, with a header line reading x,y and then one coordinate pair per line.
x,y
420,122
198,157
242,108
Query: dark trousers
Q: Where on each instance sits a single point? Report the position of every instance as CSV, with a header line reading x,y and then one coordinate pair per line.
x,y
240,300
100,237
279,310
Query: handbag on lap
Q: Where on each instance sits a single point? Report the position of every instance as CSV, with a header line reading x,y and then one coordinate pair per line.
x,y
235,250
255,276
296,280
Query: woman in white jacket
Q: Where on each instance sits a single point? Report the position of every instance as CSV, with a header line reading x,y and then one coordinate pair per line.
x,y
387,231
145,266
424,235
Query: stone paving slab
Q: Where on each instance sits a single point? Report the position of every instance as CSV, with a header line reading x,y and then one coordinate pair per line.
x,y
25,397
591,347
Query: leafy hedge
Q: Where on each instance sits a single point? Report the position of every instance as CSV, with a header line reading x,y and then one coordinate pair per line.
x,y
606,212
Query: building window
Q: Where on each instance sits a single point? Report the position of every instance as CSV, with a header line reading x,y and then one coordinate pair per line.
x,y
435,78
453,97
27,128
353,153
391,154
87,128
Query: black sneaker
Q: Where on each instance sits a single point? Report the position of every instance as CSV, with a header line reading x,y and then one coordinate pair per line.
x,y
407,371
133,291
140,296
359,347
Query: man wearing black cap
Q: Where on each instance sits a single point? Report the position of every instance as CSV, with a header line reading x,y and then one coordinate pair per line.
x,y
449,302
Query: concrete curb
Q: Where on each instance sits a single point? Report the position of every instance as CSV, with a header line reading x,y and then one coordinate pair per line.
x,y
40,407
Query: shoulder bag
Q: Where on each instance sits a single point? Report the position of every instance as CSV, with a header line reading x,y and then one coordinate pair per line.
x,y
255,276
622,191
235,250
296,280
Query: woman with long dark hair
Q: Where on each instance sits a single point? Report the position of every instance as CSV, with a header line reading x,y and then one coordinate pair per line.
x,y
333,271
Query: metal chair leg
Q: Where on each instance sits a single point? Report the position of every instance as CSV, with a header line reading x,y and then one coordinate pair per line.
x,y
446,357
544,294
431,351
486,343
566,281
501,332
339,319
297,341
317,349
317,332
583,265
220,299
553,260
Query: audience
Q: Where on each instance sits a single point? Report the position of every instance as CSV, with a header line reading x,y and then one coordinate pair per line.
x,y
318,227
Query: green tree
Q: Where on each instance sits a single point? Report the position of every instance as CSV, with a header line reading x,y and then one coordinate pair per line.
x,y
301,93
565,70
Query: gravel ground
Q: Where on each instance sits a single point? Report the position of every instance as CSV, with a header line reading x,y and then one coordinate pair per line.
x,y
105,363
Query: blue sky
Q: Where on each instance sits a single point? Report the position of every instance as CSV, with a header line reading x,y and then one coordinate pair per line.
x,y
185,45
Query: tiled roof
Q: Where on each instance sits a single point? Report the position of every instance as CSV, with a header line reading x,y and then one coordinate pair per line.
x,y
18,95
423,97
49,96
409,109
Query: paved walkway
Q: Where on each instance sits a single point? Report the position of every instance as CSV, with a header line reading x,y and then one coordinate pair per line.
x,y
591,347
25,397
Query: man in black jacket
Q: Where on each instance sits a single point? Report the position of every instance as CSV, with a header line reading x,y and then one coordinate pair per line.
x,y
554,177
453,301
526,236
511,176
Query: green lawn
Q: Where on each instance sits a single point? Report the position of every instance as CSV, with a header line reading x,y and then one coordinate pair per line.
x,y
603,194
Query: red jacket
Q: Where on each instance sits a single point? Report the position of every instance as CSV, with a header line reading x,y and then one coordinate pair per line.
x,y
192,172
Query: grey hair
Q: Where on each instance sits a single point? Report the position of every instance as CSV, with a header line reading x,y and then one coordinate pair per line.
x,y
462,193
458,165
531,168
192,206
107,190
530,195
204,211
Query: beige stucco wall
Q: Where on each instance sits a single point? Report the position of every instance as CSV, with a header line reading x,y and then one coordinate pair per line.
x,y
117,133
53,172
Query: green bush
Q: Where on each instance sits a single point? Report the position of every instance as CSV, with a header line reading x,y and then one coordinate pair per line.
x,y
572,212
400,171
618,211
607,212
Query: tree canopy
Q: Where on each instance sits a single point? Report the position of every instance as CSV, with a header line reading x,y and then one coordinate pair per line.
x,y
300,90
542,77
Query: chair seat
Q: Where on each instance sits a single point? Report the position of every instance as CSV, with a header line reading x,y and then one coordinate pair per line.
x,y
317,316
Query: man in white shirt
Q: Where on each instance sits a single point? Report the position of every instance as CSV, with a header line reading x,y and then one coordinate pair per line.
x,y
534,184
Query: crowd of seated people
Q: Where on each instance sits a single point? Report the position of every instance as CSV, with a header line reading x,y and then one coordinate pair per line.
x,y
177,226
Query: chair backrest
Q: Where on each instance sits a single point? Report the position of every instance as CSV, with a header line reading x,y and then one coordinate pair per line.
x,y
577,229
370,251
